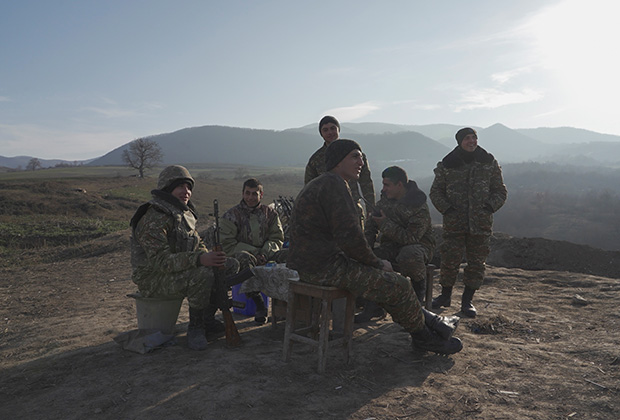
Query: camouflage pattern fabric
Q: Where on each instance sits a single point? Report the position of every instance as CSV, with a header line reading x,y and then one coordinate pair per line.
x,y
467,193
328,248
316,167
254,230
406,234
409,260
476,249
165,251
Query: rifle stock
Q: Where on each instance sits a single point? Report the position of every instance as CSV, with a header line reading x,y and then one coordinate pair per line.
x,y
233,339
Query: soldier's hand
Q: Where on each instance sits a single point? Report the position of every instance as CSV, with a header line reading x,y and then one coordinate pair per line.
x,y
213,259
387,266
380,218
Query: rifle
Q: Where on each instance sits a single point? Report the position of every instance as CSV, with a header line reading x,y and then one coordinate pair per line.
x,y
221,288
375,211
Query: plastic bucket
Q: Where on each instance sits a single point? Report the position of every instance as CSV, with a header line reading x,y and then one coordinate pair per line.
x,y
157,313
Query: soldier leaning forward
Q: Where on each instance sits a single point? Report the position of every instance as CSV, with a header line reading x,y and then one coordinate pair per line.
x,y
328,248
168,256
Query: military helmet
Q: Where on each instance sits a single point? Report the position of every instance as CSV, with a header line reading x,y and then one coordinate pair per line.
x,y
172,175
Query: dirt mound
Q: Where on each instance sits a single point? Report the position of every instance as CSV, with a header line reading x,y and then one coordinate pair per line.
x,y
546,254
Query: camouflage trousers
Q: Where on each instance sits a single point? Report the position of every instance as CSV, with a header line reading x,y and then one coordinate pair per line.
x,y
195,284
410,260
390,290
476,249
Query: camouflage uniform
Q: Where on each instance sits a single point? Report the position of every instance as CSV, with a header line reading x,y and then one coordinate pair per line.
x,y
316,167
467,194
328,248
406,234
166,249
247,232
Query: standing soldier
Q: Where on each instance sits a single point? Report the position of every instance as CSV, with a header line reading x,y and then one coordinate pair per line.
x,y
467,190
329,129
328,248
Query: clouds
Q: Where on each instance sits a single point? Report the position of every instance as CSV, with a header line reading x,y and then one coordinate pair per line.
x,y
354,112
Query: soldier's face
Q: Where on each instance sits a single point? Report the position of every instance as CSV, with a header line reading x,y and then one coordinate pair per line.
x,y
470,142
350,167
330,132
183,193
252,196
391,190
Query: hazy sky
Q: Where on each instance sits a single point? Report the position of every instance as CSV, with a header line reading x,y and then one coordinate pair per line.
x,y
80,78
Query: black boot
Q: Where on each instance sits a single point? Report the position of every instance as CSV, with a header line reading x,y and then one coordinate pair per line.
x,y
466,307
260,317
371,310
212,325
430,341
444,299
442,325
196,339
419,287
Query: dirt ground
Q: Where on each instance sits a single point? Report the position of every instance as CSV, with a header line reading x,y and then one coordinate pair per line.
x,y
534,352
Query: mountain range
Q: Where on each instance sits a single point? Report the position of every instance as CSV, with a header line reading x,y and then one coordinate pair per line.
x,y
417,148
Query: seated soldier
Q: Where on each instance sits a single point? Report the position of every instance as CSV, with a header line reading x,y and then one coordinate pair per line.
x,y
403,227
251,232
328,248
167,255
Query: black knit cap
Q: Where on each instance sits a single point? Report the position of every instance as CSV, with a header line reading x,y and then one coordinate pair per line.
x,y
328,119
460,135
338,150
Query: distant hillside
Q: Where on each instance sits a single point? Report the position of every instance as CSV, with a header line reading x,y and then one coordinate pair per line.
x,y
215,144
420,145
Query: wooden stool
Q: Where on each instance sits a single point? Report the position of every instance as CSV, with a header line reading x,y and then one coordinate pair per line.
x,y
430,273
320,317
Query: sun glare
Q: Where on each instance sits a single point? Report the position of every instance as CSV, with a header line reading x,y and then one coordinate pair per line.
x,y
576,41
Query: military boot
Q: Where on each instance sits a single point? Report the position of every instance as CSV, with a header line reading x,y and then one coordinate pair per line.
x,y
371,310
196,339
444,299
419,287
442,325
466,307
260,317
212,325
427,340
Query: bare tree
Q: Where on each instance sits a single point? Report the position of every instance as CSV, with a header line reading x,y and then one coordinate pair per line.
x,y
33,164
142,154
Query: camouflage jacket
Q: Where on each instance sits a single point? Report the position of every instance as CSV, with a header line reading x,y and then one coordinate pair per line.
x,y
256,230
407,221
316,167
164,237
324,225
468,193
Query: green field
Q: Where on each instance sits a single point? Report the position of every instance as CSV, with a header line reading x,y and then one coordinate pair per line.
x,y
51,211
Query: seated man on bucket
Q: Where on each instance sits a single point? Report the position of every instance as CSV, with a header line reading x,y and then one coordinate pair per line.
x,y
168,257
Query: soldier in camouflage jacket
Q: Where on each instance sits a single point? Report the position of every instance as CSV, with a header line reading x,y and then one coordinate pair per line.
x,y
252,233
467,190
403,227
168,256
329,128
328,248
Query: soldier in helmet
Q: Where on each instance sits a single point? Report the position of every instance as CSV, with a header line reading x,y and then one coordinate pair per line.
x,y
168,257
